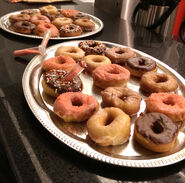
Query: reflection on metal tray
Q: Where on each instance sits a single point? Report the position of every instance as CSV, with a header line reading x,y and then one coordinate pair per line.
x,y
5,25
75,135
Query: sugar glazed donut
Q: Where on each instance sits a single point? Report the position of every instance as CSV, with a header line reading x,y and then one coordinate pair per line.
x,y
23,27
92,47
86,24
140,65
53,83
156,132
152,82
37,19
75,106
94,61
172,105
61,62
42,27
49,10
72,51
69,12
60,21
70,30
110,75
119,55
123,98
110,126
19,17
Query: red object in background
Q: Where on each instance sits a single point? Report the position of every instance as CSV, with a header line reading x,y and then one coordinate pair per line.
x,y
180,16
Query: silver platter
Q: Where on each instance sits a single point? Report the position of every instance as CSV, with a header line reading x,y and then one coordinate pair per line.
x,y
5,25
75,135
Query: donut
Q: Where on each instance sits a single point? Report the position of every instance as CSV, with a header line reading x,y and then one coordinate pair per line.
x,y
110,75
70,30
119,55
152,82
123,98
94,61
19,17
75,106
172,105
37,19
61,62
92,47
53,84
49,10
110,126
72,51
156,132
140,65
59,22
42,27
23,27
69,12
80,16
86,24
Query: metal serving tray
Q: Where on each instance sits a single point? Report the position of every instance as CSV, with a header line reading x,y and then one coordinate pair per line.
x,y
5,25
75,135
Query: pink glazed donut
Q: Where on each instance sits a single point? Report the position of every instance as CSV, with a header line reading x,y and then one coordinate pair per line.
x,y
110,75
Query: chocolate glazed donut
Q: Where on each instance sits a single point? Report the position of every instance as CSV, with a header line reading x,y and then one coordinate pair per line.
x,y
54,85
156,132
139,65
23,27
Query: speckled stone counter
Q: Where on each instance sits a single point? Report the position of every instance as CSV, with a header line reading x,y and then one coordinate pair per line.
x,y
37,156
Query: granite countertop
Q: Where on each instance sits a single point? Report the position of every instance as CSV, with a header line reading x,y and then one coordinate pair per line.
x,y
37,156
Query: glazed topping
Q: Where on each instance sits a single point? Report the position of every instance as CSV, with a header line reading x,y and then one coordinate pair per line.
x,y
24,25
141,63
92,47
54,79
156,127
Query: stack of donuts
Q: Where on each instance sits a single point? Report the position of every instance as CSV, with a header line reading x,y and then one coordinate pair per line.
x,y
156,128
62,23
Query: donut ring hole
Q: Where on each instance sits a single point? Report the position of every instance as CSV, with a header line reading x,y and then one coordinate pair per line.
x,y
47,26
124,97
73,51
169,102
109,120
157,127
113,72
97,60
25,24
60,61
120,52
141,62
161,79
76,102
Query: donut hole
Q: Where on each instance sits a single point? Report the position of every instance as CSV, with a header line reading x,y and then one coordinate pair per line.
x,y
109,120
76,102
113,72
73,51
61,61
157,127
141,62
124,97
71,28
120,52
169,102
98,60
161,79
47,26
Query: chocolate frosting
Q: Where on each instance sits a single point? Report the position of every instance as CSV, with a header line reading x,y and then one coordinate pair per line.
x,y
156,127
141,63
54,80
